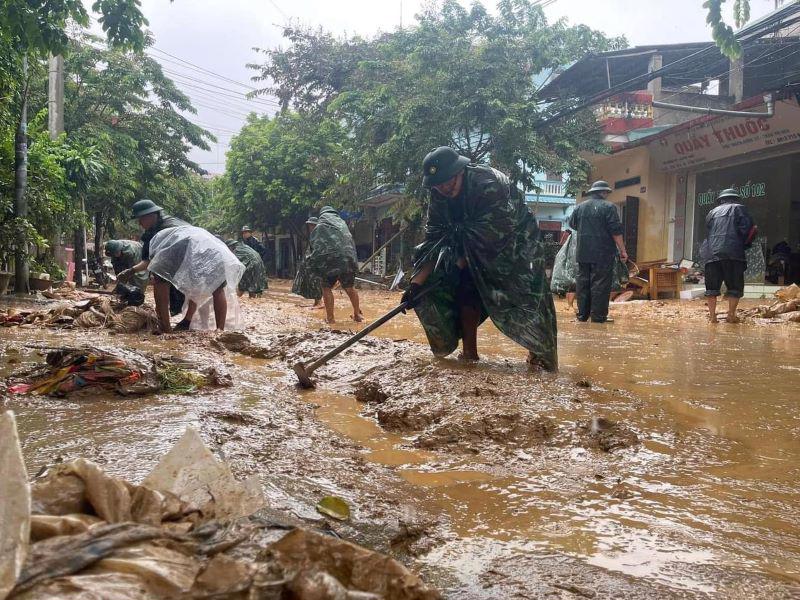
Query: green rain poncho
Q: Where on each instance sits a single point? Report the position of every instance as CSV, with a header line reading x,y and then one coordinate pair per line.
x,y
307,285
131,254
254,280
565,270
500,240
333,252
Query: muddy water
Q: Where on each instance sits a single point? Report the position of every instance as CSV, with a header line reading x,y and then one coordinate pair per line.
x,y
713,488
708,498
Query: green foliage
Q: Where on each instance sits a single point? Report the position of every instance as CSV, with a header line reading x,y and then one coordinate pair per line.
x,y
125,138
723,33
40,25
279,169
122,105
460,77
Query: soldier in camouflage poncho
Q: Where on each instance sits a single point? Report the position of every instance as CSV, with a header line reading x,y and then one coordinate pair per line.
x,y
124,254
254,281
333,259
305,284
484,257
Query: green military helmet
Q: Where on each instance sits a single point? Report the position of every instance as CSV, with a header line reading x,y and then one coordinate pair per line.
x,y
600,186
144,207
442,164
729,193
328,209
112,247
231,243
246,228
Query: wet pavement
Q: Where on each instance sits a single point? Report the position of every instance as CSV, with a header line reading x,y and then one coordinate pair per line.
x,y
661,461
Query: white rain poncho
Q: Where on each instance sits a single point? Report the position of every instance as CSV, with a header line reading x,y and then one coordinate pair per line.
x,y
197,263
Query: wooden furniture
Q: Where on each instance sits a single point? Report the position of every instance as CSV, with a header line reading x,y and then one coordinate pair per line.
x,y
664,281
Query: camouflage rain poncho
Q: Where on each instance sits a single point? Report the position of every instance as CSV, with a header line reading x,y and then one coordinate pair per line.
x,y
500,240
131,255
307,285
333,252
254,279
565,270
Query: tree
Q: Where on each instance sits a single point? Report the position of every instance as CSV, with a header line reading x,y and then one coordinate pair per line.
x,y
279,169
40,25
32,28
723,33
122,104
460,77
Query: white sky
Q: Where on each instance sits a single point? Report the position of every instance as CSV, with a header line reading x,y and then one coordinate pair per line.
x,y
218,35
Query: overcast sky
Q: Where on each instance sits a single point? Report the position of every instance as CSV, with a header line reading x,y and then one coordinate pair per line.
x,y
217,36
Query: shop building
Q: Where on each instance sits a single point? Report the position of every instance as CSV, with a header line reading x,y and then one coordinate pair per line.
x,y
666,164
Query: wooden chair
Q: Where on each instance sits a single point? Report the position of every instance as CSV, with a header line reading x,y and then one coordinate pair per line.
x,y
664,281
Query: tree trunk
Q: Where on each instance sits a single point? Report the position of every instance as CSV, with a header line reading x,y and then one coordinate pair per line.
x,y
78,255
98,233
20,186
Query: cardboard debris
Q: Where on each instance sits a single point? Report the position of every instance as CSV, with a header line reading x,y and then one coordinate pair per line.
x,y
785,310
15,505
94,537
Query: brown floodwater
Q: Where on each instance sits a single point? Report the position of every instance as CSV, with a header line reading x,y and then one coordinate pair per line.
x,y
712,489
714,484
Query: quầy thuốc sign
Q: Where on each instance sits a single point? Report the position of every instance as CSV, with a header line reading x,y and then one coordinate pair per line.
x,y
727,137
748,190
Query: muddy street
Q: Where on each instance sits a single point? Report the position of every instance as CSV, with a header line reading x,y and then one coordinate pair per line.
x,y
661,461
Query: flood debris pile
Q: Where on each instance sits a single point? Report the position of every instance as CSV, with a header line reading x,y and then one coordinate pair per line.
x,y
125,372
785,309
190,530
93,312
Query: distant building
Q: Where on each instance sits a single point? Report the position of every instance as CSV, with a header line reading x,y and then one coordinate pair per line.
x,y
550,204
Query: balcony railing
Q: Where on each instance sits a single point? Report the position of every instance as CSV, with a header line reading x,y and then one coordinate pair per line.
x,y
551,188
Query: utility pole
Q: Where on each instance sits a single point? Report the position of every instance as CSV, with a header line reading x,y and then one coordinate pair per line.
x,y
20,183
55,96
55,126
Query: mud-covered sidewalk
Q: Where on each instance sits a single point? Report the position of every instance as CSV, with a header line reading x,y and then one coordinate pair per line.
x,y
660,462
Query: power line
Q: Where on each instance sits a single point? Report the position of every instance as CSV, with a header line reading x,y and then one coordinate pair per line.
x,y
230,93
204,70
599,127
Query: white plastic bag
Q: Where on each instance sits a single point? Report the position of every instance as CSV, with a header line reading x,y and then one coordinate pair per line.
x,y
197,263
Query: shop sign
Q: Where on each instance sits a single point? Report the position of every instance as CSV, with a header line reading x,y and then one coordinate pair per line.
x,y
727,137
749,190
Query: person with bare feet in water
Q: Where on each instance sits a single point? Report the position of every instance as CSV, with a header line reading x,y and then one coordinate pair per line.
x,y
730,232
482,257
332,258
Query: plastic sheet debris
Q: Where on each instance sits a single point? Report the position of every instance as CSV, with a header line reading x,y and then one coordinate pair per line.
x,y
190,470
186,532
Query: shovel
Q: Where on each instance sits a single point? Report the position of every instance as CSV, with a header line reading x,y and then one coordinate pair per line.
x,y
304,371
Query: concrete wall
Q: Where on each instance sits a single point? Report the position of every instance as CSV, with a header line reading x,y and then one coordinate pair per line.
x,y
654,193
